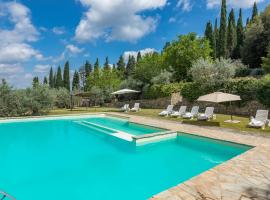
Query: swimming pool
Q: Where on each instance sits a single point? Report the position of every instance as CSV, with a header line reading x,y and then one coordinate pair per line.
x,y
58,159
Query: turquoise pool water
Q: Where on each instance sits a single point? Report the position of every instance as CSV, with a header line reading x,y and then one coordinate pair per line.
x,y
59,159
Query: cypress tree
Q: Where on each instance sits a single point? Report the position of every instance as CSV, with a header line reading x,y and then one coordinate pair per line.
x,y
76,81
96,69
106,64
114,67
239,35
254,11
35,81
223,31
209,34
121,64
215,39
45,80
59,81
130,66
231,39
167,44
54,80
248,21
66,77
51,79
139,56
87,69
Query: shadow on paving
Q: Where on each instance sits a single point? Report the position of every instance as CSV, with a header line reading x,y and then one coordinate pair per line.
x,y
201,123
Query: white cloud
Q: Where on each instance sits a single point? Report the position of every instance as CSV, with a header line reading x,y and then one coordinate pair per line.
x,y
69,51
233,3
9,69
17,52
126,54
117,19
42,68
185,5
59,30
15,42
74,49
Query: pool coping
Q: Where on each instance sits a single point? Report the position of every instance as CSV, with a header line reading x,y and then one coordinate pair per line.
x,y
245,176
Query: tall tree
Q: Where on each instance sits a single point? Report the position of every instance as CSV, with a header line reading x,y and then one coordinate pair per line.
x,y
223,31
215,37
121,64
51,80
239,36
66,77
248,21
209,34
183,52
96,69
130,66
59,80
231,39
139,56
76,81
45,80
87,69
35,81
254,11
106,64
167,44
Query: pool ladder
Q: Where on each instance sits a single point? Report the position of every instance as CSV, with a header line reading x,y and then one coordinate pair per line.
x,y
6,196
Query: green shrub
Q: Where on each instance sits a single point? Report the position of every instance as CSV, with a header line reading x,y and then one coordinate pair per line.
x,y
263,91
162,90
191,91
245,87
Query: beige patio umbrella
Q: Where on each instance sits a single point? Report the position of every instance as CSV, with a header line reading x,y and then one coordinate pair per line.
x,y
125,91
220,97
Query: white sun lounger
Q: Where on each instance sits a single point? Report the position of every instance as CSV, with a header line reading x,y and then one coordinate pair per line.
x,y
260,120
194,113
136,107
125,108
208,114
167,112
182,111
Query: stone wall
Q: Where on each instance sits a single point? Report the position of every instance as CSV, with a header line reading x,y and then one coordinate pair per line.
x,y
248,109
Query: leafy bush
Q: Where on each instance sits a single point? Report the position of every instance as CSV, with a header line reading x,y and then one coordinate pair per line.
x,y
191,91
163,78
211,76
245,87
264,90
162,90
61,98
31,101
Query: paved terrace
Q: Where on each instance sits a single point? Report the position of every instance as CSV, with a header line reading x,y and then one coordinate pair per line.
x,y
244,177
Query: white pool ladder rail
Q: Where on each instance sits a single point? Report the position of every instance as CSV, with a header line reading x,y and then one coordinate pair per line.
x,y
6,196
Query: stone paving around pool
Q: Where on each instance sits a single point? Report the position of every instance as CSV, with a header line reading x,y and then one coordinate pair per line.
x,y
246,176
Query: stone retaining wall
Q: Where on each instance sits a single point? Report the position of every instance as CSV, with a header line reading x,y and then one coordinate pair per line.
x,y
248,109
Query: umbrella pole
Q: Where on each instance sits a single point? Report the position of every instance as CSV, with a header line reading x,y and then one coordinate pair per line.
x,y
231,111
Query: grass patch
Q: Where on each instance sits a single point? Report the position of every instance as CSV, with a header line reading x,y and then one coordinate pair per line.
x,y
218,122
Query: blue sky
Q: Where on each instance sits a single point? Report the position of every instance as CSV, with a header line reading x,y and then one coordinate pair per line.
x,y
35,35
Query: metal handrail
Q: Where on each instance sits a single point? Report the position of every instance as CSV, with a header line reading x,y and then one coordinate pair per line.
x,y
6,195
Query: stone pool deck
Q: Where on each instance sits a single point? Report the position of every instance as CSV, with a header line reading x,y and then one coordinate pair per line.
x,y
244,177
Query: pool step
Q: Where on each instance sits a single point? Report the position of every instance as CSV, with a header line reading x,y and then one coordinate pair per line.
x,y
6,196
106,130
155,137
138,140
